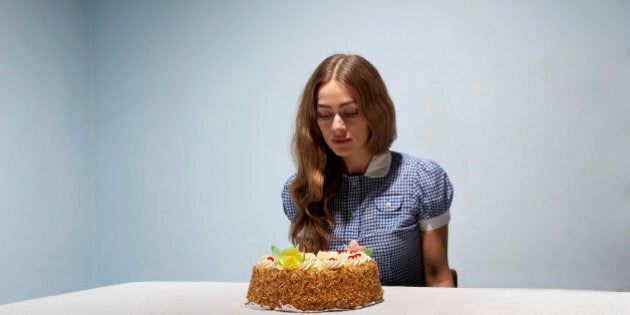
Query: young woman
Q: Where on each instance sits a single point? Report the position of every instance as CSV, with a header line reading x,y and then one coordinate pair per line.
x,y
349,186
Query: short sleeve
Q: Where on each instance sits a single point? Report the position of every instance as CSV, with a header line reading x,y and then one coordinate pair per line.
x,y
287,202
435,194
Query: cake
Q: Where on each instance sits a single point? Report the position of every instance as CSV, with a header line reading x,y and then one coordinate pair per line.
x,y
292,280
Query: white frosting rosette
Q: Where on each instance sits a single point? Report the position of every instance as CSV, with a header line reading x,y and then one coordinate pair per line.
x,y
354,256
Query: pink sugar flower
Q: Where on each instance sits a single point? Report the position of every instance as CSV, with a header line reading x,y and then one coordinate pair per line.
x,y
354,246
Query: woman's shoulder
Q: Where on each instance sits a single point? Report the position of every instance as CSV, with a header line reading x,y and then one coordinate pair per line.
x,y
288,182
419,164
291,178
429,178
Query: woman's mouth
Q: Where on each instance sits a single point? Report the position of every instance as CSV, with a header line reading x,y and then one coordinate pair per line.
x,y
340,141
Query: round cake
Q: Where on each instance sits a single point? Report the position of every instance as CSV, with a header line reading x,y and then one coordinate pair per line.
x,y
293,280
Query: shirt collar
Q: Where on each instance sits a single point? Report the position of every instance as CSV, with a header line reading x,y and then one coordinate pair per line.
x,y
379,165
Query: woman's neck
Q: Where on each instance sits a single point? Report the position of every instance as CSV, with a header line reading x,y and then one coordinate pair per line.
x,y
357,164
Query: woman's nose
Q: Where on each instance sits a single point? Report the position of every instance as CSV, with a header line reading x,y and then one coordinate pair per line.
x,y
338,123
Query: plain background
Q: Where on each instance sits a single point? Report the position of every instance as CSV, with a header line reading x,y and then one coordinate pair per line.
x,y
149,140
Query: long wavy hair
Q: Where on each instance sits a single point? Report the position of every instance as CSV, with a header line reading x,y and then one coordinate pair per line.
x,y
319,170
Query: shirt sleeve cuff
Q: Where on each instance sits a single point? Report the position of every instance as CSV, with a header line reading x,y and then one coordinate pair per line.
x,y
435,222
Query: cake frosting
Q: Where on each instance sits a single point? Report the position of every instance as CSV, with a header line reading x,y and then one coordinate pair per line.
x,y
290,279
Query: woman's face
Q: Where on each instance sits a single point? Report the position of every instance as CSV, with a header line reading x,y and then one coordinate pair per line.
x,y
344,130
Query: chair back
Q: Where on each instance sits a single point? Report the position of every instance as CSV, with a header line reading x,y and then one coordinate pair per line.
x,y
454,274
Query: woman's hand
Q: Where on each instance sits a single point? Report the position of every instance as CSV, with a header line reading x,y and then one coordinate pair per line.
x,y
434,252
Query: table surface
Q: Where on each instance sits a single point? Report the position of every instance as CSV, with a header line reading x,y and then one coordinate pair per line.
x,y
229,298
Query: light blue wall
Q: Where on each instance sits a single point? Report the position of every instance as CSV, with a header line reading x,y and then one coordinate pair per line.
x,y
523,103
192,132
46,172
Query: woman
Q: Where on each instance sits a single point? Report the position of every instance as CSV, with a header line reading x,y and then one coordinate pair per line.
x,y
349,186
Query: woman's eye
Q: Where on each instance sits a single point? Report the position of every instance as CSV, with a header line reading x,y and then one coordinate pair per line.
x,y
351,114
325,115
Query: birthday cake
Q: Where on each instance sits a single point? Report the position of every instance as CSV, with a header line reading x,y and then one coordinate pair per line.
x,y
291,280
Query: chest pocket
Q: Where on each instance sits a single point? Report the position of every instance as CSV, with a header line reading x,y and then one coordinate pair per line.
x,y
389,203
389,213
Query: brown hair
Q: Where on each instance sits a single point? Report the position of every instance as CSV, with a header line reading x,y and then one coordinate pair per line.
x,y
319,170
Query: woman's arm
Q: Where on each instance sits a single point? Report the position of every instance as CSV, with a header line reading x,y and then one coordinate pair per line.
x,y
434,252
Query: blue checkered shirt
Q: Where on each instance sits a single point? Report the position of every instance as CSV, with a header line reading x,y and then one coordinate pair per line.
x,y
385,209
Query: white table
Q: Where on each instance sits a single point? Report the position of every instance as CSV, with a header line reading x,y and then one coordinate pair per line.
x,y
227,298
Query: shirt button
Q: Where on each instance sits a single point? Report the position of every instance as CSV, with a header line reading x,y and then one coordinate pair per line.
x,y
388,204
353,213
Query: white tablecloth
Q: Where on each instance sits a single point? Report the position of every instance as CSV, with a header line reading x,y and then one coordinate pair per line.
x,y
228,298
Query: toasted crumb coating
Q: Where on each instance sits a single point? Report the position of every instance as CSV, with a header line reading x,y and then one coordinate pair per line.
x,y
316,290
